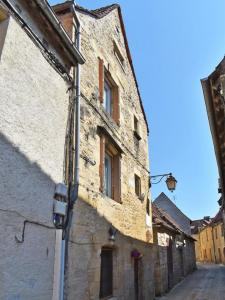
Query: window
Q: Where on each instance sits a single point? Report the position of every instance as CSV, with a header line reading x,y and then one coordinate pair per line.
x,y
107,99
118,55
137,185
108,93
108,175
216,233
222,231
136,128
110,168
106,276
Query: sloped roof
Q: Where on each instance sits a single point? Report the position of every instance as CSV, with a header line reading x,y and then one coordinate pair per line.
x,y
101,13
163,196
198,224
160,217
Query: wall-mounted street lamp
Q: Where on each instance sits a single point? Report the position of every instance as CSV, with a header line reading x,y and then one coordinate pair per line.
x,y
171,182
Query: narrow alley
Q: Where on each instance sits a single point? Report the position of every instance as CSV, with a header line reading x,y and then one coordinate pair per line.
x,y
207,283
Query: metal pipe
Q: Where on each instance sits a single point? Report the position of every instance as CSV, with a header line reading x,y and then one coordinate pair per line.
x,y
61,294
74,194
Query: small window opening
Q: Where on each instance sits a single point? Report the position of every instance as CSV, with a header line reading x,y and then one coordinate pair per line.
x,y
136,129
137,185
118,55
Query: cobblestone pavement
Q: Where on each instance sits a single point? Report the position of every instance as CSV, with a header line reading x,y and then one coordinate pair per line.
x,y
207,283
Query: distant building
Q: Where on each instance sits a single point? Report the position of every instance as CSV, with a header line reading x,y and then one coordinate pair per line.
x,y
196,226
210,240
175,251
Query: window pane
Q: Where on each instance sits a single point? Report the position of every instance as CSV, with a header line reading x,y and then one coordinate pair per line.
x,y
106,279
108,175
107,101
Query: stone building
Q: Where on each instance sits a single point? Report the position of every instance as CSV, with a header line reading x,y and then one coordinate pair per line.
x,y
196,226
174,252
110,246
34,81
214,94
211,245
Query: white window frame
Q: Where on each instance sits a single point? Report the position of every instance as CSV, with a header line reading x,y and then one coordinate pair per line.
x,y
108,175
107,99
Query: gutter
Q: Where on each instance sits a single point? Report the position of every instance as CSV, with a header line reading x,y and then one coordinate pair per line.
x,y
49,13
75,187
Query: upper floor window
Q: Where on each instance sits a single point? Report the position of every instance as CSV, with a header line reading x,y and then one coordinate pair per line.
x,y
110,169
136,128
137,180
108,93
108,175
118,55
107,98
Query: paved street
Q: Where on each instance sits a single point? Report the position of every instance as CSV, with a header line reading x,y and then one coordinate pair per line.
x,y
207,283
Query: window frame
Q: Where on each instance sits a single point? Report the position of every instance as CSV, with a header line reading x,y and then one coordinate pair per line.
x,y
108,180
136,128
108,147
105,77
108,98
137,180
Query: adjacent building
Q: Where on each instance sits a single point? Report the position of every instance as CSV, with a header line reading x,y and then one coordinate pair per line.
x,y
36,84
174,252
214,94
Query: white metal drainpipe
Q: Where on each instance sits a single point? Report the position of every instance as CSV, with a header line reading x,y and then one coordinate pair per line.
x,y
65,241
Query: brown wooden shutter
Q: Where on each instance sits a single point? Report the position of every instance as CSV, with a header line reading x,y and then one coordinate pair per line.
x,y
116,105
117,178
101,79
102,162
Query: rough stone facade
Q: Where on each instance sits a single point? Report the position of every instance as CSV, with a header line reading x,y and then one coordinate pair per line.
x,y
174,252
34,111
94,212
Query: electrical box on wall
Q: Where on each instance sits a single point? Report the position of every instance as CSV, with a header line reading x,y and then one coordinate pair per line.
x,y
60,191
60,208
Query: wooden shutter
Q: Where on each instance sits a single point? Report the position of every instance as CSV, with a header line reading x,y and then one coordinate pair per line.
x,y
116,105
116,186
102,162
101,79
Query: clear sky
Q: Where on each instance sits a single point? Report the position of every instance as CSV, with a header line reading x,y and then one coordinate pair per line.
x,y
174,44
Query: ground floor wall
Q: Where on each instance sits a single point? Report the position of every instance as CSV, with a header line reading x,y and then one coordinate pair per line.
x,y
172,264
133,260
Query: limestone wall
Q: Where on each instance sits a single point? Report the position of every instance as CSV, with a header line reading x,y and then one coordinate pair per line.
x,y
129,216
33,118
90,234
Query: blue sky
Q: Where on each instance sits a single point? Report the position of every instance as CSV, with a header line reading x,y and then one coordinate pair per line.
x,y
174,44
